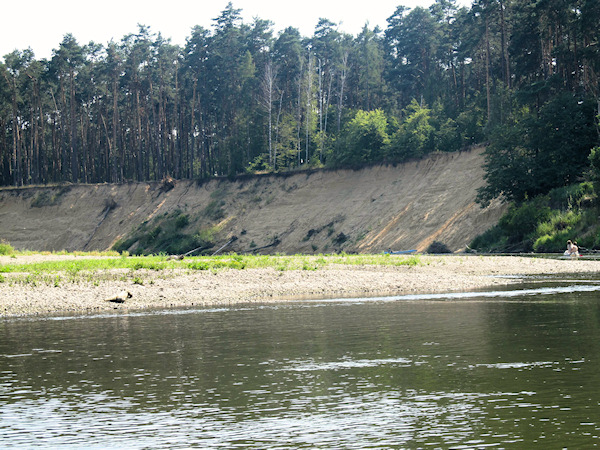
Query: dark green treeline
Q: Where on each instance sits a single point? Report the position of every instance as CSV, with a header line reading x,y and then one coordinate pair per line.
x,y
239,98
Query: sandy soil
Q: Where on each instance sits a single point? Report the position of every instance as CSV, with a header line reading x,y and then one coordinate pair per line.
x,y
407,206
167,289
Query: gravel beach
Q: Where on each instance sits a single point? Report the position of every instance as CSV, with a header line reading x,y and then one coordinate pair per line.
x,y
184,288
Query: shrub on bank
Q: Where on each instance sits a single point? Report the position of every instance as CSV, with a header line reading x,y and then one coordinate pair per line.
x,y
544,224
167,234
551,235
438,247
6,248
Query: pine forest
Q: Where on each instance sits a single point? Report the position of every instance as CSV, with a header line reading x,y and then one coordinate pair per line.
x,y
520,76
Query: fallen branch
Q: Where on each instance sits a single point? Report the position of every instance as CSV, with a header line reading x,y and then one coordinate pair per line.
x,y
233,239
275,243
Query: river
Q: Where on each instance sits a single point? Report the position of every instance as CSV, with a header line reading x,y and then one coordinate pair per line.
x,y
511,368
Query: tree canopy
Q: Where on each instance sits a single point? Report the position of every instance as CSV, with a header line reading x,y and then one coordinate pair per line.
x,y
521,76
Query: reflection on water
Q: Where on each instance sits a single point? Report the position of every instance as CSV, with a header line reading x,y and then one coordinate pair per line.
x,y
508,369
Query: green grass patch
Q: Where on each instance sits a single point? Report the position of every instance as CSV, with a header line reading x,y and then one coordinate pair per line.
x,y
56,273
127,268
74,266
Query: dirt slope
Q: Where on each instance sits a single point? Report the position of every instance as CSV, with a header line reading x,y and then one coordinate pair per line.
x,y
404,207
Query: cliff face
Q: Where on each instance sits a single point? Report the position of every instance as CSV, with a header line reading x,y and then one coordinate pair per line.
x,y
404,207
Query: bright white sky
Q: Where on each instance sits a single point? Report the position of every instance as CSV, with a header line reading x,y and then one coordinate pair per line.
x,y
42,24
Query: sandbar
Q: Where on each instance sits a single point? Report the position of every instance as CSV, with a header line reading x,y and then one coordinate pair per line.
x,y
165,289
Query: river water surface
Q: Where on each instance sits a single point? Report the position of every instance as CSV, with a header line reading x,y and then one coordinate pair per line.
x,y
512,369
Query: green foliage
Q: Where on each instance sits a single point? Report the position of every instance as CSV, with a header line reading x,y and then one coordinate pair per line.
x,y
182,221
507,167
515,230
206,237
447,137
122,245
43,199
545,223
540,149
492,240
572,196
486,77
471,126
6,248
438,247
592,240
165,235
552,235
259,164
214,210
340,239
375,136
414,138
366,138
520,221
594,159
49,197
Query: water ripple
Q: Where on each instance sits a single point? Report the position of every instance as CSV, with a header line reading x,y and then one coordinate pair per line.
x,y
468,295
308,366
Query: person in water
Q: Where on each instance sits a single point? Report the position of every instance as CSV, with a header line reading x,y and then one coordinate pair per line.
x,y
572,249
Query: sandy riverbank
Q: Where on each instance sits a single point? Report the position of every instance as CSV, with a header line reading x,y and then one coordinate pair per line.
x,y
179,288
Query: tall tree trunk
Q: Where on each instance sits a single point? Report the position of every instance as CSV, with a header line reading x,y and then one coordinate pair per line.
x,y
139,131
326,106
321,101
503,45
192,148
16,166
277,129
116,168
487,68
343,75
84,147
268,86
72,130
42,176
308,112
